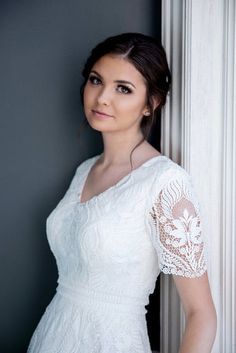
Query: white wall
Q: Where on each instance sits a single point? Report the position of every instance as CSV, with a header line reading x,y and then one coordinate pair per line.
x,y
199,132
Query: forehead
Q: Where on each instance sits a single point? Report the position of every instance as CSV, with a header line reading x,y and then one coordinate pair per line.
x,y
115,67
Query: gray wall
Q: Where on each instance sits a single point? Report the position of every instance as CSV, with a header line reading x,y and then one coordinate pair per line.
x,y
43,45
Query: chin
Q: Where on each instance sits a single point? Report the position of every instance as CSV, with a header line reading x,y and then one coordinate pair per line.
x,y
99,126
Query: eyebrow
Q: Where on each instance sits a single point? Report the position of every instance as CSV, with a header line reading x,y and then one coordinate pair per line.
x,y
117,81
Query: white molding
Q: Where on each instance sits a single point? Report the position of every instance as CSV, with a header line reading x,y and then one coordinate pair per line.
x,y
170,314
228,273
172,39
185,83
199,133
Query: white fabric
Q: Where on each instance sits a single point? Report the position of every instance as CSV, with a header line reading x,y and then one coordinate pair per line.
x,y
178,234
109,251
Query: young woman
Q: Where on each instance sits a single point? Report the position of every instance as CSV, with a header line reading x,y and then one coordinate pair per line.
x,y
129,213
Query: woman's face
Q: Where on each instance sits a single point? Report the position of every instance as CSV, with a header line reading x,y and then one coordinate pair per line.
x,y
116,88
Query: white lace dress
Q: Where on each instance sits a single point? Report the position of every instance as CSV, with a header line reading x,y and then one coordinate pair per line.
x,y
109,251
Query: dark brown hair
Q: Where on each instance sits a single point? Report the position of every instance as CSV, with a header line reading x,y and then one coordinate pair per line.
x,y
148,57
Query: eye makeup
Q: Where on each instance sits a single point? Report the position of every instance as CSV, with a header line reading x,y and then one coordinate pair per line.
x,y
124,88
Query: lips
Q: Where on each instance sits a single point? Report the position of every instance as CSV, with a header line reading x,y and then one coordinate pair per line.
x,y
101,113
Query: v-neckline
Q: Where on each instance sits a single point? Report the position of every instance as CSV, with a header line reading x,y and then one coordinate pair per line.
x,y
101,194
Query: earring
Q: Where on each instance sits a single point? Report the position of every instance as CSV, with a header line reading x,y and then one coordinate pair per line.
x,y
147,113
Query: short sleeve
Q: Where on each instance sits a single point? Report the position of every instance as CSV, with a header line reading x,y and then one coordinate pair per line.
x,y
177,228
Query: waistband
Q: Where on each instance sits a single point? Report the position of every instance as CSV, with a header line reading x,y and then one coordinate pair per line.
x,y
99,300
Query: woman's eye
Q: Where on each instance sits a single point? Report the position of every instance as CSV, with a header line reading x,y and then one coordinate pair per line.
x,y
94,80
124,89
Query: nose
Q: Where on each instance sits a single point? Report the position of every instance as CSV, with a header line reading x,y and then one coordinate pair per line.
x,y
104,97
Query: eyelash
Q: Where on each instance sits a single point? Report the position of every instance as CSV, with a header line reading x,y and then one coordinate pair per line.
x,y
128,90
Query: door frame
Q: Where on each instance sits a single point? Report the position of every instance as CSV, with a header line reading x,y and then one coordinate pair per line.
x,y
199,133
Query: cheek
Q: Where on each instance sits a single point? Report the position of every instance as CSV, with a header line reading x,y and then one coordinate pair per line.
x,y
133,105
87,101
87,95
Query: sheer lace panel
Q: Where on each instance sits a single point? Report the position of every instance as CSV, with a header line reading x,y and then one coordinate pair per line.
x,y
178,234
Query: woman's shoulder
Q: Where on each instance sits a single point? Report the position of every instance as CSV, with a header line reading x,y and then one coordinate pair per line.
x,y
170,179
163,164
163,169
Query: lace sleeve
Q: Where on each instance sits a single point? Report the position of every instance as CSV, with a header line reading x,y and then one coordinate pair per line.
x,y
177,229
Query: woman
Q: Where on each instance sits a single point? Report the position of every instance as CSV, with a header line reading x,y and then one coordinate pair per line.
x,y
129,213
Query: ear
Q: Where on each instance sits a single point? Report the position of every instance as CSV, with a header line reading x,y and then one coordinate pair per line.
x,y
155,101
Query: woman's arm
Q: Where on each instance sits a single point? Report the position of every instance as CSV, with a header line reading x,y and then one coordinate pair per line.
x,y
177,236
200,314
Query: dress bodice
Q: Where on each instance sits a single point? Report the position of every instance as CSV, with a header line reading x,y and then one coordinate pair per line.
x,y
109,251
112,245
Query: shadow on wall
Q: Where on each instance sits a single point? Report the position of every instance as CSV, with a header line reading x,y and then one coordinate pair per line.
x,y
43,47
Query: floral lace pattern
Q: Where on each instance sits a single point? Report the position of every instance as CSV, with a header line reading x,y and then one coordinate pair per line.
x,y
178,228
66,327
107,263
